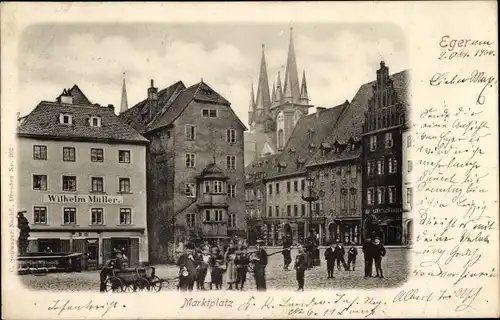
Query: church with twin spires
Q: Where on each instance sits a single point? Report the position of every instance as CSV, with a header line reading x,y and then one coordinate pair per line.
x,y
272,115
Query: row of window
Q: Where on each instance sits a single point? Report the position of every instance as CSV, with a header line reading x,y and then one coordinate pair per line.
x,y
69,183
377,167
388,141
70,216
67,119
69,154
190,133
216,215
191,161
210,187
380,195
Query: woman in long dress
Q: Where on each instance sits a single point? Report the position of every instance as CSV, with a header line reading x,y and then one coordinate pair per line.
x,y
207,262
231,275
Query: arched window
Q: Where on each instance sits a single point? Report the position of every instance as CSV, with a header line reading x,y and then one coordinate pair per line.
x,y
296,117
281,139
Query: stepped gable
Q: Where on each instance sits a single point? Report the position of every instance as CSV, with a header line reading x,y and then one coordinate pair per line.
x,y
43,122
350,125
138,115
77,95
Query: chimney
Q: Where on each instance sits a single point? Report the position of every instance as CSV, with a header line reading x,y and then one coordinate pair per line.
x,y
112,107
152,91
319,110
66,97
152,100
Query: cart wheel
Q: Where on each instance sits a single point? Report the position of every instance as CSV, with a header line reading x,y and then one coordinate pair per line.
x,y
142,284
129,287
155,284
113,284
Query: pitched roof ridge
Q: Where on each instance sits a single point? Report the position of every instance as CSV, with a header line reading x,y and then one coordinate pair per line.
x,y
167,104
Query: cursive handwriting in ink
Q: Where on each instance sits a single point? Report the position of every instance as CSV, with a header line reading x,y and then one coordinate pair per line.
x,y
61,307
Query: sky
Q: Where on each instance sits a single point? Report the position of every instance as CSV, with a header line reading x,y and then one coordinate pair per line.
x,y
337,59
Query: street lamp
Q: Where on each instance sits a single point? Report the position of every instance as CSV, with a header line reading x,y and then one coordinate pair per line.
x,y
312,197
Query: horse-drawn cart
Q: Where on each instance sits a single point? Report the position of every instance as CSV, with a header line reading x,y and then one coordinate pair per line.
x,y
133,279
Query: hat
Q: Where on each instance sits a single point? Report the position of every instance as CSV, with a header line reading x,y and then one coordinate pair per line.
x,y
260,241
190,246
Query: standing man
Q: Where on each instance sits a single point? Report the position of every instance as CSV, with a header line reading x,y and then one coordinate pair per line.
x,y
339,254
378,253
260,266
330,260
300,267
368,256
287,257
241,262
351,258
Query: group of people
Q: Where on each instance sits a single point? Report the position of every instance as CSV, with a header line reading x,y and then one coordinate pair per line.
x,y
117,261
335,254
206,265
373,251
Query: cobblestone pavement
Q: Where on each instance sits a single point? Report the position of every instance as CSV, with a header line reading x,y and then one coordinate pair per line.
x,y
395,268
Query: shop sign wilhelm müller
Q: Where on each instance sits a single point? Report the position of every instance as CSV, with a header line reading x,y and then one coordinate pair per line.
x,y
87,198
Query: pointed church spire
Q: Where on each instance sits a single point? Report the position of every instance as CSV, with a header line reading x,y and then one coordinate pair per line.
x,y
263,99
273,94
124,102
278,95
291,92
251,107
304,97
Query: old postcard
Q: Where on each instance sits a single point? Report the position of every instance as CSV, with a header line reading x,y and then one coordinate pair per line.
x,y
250,160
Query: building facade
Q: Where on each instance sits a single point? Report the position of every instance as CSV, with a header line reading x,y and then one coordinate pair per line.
x,y
195,165
326,156
272,116
82,180
382,157
407,186
283,182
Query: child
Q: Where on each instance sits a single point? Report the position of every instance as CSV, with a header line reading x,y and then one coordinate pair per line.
x,y
300,267
351,258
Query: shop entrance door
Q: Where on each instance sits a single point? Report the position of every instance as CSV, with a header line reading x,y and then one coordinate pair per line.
x,y
92,253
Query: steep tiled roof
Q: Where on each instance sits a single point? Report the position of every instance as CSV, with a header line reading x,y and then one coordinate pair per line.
x,y
308,134
199,92
43,122
137,116
77,95
264,165
212,171
350,124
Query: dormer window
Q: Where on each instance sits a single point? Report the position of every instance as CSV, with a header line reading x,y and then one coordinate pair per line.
x,y
311,147
65,118
95,121
310,131
353,146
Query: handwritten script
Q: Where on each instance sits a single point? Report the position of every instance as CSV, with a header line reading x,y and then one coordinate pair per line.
x,y
454,213
64,307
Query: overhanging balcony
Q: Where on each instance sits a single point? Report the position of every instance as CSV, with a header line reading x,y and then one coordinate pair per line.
x,y
213,200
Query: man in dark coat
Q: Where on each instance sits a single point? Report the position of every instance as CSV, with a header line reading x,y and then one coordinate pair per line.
x,y
287,257
339,254
260,260
241,262
368,256
187,269
300,267
378,253
351,258
330,260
